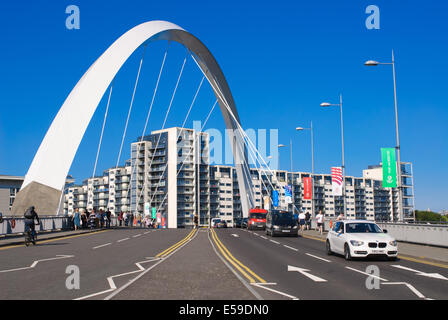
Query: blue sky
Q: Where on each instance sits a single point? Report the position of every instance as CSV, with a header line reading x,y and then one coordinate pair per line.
x,y
281,59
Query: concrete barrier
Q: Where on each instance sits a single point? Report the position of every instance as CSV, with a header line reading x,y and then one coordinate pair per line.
x,y
427,234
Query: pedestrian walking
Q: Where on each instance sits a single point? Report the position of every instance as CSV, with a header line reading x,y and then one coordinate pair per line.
x,y
76,219
83,219
320,221
302,221
196,221
108,218
308,221
120,218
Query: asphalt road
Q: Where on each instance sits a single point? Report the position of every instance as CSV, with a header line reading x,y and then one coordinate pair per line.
x,y
225,264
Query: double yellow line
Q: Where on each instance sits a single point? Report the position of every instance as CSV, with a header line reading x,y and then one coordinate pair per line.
x,y
177,245
245,271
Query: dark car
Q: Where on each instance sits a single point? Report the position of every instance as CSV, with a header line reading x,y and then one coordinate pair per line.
x,y
221,224
244,223
281,223
237,222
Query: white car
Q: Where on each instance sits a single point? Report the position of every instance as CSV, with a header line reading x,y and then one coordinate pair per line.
x,y
360,239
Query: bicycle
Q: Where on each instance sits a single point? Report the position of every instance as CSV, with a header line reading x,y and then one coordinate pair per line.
x,y
30,236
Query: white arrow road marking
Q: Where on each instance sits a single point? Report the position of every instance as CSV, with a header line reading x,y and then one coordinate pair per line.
x,y
235,235
417,293
421,273
318,257
367,274
60,256
112,283
103,245
262,285
306,273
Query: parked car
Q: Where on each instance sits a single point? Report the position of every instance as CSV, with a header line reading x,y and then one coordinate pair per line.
x,y
214,222
244,223
280,222
257,219
221,224
237,222
360,239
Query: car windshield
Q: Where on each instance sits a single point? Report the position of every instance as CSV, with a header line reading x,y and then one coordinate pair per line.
x,y
257,215
217,221
363,228
285,217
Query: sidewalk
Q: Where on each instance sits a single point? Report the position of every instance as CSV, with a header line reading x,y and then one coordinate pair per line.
x,y
410,250
19,239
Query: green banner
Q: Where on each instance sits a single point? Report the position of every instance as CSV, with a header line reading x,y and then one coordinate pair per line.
x,y
153,212
389,167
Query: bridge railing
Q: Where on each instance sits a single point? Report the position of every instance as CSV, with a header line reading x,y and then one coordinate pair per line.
x,y
47,223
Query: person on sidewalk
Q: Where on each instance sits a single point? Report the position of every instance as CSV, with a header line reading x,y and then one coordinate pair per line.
x,y
320,221
76,219
120,219
108,218
83,219
196,221
302,221
308,221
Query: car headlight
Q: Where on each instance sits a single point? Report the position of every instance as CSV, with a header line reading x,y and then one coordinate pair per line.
x,y
276,227
393,243
356,243
295,227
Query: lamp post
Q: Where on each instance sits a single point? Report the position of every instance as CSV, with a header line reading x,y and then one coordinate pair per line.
x,y
325,105
312,164
372,63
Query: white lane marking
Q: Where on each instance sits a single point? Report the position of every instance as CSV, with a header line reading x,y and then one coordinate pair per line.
x,y
306,273
256,234
117,291
59,256
137,235
235,235
416,292
146,232
276,242
112,283
421,273
103,245
308,254
367,274
290,247
262,285
123,239
264,237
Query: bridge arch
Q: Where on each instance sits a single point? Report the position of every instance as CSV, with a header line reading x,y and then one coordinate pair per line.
x,y
45,179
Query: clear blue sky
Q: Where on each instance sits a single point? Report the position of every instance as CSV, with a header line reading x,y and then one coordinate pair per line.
x,y
281,58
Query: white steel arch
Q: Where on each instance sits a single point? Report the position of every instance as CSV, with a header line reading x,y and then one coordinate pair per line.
x,y
46,176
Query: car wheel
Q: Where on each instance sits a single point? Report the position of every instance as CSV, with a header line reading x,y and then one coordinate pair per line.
x,y
329,252
347,254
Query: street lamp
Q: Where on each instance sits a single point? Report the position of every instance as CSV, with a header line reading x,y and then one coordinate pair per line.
x,y
376,63
326,105
312,164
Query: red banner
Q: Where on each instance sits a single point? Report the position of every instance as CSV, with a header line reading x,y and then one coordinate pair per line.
x,y
307,194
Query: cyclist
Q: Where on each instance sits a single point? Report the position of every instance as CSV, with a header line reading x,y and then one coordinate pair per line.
x,y
30,215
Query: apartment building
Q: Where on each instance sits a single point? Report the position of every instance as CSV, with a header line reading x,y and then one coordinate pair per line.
x,y
169,170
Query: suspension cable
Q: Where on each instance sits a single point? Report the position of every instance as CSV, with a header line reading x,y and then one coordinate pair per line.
x,y
163,126
191,149
130,107
149,112
102,130
178,136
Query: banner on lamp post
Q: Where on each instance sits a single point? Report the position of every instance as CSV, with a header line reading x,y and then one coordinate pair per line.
x,y
275,198
307,194
288,194
389,167
336,180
